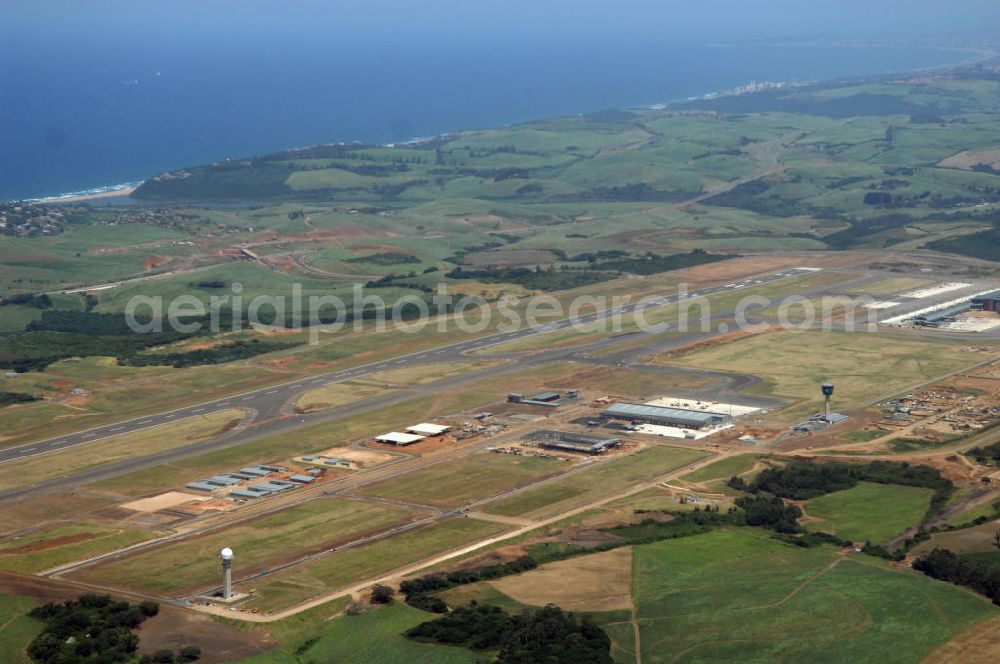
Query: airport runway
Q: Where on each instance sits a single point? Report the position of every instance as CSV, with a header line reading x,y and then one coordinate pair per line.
x,y
267,402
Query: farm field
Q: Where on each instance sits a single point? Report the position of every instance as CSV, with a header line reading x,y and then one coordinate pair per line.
x,y
303,582
771,600
977,539
864,367
193,563
375,636
986,508
598,582
873,512
600,480
453,484
740,595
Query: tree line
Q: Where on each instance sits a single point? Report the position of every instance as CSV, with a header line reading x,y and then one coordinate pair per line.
x,y
548,635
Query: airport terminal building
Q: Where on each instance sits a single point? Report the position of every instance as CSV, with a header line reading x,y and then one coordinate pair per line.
x,y
672,417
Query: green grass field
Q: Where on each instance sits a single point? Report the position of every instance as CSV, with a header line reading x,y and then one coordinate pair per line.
x,y
984,509
374,637
723,469
193,563
16,629
728,596
58,545
30,470
478,476
864,366
875,512
605,478
355,565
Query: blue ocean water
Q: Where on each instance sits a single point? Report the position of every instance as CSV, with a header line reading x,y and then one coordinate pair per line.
x,y
97,114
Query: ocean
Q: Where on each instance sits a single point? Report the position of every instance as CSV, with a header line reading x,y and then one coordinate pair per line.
x,y
79,119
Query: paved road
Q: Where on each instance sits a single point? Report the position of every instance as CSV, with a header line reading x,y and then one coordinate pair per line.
x,y
268,401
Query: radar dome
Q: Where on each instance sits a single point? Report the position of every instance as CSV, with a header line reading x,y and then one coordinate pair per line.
x,y
227,553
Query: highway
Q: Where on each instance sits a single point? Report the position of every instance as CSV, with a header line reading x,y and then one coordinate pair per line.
x,y
268,402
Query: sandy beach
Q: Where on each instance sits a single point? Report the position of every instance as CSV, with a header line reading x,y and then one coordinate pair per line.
x,y
90,197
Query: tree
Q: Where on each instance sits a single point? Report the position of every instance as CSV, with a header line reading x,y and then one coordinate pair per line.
x,y
189,654
149,608
163,657
382,594
996,539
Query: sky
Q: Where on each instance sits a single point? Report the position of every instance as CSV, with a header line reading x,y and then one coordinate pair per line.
x,y
675,20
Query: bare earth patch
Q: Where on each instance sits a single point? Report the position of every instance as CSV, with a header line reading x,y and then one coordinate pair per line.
x,y
598,582
364,458
162,502
976,645
967,160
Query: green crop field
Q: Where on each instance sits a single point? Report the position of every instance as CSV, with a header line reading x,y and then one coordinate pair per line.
x,y
875,512
864,366
375,636
741,596
600,480
452,484
193,563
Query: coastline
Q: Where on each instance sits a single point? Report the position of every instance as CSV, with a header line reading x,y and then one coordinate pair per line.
x,y
112,191
976,54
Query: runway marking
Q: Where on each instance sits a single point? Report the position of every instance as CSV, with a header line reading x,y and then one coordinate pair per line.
x,y
89,435
198,410
144,422
57,442
116,429
271,392
252,396
30,449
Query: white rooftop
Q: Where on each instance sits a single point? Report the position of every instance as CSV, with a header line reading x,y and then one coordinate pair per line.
x,y
398,438
736,410
428,429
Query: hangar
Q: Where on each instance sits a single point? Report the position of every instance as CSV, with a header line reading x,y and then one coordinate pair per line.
x,y
672,417
399,438
572,442
428,429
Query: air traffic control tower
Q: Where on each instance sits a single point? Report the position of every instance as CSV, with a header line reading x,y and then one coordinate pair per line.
x,y
827,395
